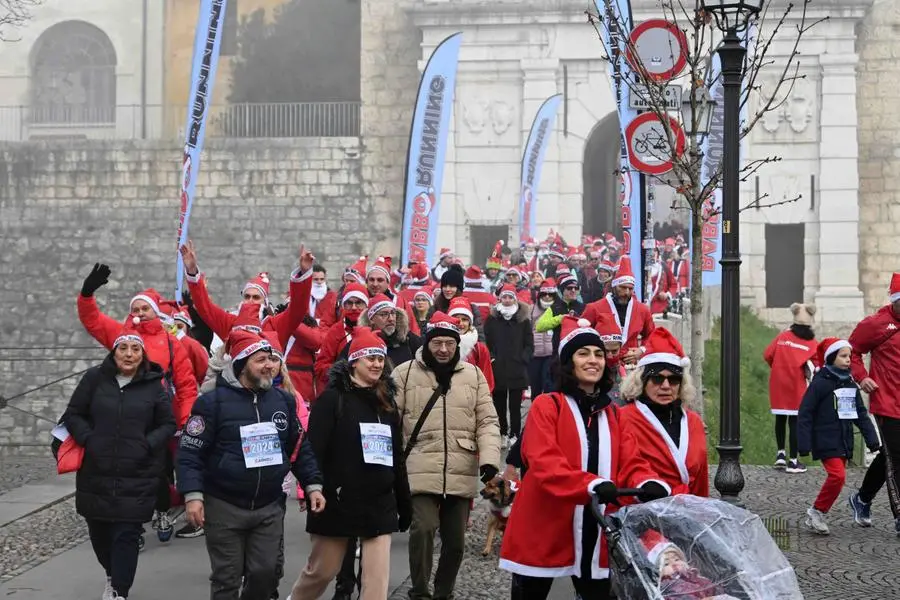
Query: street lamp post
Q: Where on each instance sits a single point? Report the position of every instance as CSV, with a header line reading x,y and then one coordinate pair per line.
x,y
732,16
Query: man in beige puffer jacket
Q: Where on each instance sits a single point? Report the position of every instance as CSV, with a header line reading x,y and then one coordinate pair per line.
x,y
459,440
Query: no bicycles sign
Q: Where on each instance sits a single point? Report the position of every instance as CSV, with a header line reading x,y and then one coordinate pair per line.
x,y
649,150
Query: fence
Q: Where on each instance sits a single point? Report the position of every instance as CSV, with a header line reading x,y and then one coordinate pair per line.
x,y
261,120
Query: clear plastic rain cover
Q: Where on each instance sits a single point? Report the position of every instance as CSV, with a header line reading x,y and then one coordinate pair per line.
x,y
687,548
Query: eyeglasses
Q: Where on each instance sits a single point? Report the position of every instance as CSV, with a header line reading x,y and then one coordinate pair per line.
x,y
448,345
661,379
572,288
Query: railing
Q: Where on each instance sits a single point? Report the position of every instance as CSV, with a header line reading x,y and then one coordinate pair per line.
x,y
263,120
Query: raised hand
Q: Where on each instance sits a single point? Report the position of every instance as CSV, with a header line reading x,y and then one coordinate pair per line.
x,y
98,277
307,259
189,257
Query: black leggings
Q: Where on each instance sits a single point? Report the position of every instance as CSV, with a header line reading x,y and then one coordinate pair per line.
x,y
791,422
538,588
886,466
163,492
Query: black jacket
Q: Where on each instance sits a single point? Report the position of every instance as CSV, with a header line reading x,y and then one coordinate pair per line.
x,y
819,430
362,500
511,343
210,458
124,434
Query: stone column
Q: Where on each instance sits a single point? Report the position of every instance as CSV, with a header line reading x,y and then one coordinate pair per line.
x,y
839,298
539,82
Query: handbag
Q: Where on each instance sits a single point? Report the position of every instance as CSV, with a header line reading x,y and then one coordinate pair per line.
x,y
69,456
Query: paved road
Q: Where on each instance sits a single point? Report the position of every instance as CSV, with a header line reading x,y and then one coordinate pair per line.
x,y
181,566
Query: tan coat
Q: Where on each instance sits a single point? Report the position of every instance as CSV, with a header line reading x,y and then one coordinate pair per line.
x,y
460,434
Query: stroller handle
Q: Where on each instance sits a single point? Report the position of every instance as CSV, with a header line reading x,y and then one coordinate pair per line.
x,y
620,493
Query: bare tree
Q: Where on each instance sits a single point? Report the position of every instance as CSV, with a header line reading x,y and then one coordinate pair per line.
x,y
769,77
14,14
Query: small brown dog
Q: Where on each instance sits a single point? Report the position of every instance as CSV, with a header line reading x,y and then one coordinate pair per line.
x,y
500,493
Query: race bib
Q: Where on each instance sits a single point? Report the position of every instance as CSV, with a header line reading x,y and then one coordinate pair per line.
x,y
846,403
377,444
261,445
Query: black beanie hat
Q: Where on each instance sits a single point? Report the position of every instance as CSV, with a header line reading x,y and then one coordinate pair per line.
x,y
453,276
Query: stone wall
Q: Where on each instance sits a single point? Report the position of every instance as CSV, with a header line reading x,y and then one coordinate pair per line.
x,y
63,208
390,81
879,150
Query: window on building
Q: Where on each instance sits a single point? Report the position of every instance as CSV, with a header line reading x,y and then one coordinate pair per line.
x,y
230,29
484,238
73,76
785,264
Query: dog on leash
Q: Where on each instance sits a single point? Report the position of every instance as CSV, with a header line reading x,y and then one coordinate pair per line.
x,y
500,493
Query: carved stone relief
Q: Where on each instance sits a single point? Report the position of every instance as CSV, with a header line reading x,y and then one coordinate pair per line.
x,y
489,115
793,113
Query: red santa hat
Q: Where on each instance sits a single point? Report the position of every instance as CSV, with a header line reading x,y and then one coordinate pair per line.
x,y
827,347
242,344
426,292
355,290
272,337
442,325
609,330
260,282
129,334
624,274
444,253
473,275
418,274
657,545
460,306
576,333
564,278
663,348
557,251
382,266
183,315
358,270
894,290
151,297
378,303
508,290
607,265
365,343
548,286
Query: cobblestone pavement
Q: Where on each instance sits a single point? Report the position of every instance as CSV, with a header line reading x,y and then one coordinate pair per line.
x,y
18,471
851,564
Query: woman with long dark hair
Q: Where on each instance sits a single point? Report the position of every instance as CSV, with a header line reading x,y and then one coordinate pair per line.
x,y
574,449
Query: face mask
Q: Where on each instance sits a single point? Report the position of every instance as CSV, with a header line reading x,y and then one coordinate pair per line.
x,y
545,304
507,311
319,290
352,315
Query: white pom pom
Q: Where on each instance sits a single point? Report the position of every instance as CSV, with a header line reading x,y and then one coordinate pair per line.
x,y
584,323
685,362
135,320
502,242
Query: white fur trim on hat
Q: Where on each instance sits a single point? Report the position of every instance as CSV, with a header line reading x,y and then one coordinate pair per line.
x,y
379,267
894,297
575,333
664,357
354,294
461,310
623,280
379,307
250,328
370,351
424,294
836,346
507,293
443,325
547,290
129,337
148,300
264,293
659,549
184,318
255,347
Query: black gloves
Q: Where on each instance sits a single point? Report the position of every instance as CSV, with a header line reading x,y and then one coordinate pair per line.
x,y
405,520
652,491
606,492
186,299
488,472
98,278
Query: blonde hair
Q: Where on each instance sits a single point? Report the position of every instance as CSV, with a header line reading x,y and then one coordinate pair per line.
x,y
633,386
286,383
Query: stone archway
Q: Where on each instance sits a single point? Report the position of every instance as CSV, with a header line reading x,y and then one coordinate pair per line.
x,y
600,195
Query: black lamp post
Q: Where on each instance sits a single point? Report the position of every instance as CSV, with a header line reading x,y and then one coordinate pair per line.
x,y
732,17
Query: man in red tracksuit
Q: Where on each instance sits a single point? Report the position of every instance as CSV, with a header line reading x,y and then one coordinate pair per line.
x,y
336,340
875,336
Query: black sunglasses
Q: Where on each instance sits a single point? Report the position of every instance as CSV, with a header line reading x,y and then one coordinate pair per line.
x,y
569,288
660,379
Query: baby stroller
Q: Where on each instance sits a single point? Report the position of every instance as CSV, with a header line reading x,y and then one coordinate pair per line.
x,y
689,548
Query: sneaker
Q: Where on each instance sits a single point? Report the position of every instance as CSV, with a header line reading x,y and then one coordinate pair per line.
x,y
512,440
116,596
780,460
795,466
164,528
862,511
108,591
815,520
189,531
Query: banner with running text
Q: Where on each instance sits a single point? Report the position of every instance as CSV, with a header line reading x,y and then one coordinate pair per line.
x,y
207,42
616,27
533,163
427,151
712,150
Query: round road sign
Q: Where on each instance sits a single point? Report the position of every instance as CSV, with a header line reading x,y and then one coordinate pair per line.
x,y
658,49
649,150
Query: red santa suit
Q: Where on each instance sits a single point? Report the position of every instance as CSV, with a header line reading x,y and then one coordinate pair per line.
x,y
789,357
543,534
197,354
382,266
161,347
875,335
480,298
638,322
303,345
470,349
681,270
338,336
662,287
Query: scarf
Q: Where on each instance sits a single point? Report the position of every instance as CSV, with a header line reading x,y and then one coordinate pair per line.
x,y
842,374
443,372
507,312
467,343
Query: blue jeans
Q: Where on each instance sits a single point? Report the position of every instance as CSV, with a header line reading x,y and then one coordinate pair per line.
x,y
539,376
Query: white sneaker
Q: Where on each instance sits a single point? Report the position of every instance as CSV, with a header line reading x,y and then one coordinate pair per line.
x,y
815,520
108,592
512,440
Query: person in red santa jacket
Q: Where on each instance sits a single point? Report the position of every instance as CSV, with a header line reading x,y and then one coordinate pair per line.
x,y
470,349
336,340
551,530
178,322
633,318
680,266
790,356
378,281
255,299
875,336
661,285
659,393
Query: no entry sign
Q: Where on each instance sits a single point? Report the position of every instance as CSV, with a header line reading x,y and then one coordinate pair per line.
x,y
649,150
658,49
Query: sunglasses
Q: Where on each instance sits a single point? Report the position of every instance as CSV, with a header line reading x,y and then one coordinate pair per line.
x,y
572,288
660,379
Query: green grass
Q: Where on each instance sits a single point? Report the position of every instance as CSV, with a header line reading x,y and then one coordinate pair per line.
x,y
757,423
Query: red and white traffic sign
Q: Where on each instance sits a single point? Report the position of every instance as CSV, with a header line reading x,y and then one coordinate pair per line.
x,y
649,150
657,48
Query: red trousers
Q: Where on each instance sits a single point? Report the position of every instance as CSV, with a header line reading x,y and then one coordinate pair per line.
x,y
836,468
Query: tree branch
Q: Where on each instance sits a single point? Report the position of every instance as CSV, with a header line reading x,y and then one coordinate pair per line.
x,y
14,14
755,204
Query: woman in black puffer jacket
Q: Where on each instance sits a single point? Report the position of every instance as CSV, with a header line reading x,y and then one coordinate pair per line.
x,y
121,415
